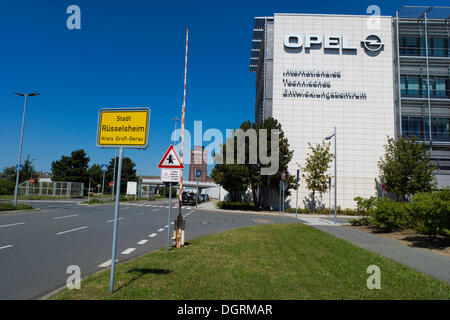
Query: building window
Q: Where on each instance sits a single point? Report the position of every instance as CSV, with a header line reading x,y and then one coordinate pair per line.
x,y
409,46
415,86
409,86
412,46
419,127
437,47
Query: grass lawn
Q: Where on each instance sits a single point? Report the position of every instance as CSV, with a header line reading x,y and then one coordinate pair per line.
x,y
4,206
278,261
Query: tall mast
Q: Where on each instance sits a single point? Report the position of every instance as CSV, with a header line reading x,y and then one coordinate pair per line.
x,y
183,112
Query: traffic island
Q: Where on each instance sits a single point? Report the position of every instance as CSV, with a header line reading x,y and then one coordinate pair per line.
x,y
277,261
9,207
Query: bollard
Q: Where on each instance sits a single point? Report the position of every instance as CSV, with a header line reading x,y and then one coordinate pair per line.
x,y
179,224
183,225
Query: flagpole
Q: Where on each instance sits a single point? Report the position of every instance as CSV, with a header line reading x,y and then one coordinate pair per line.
x,y
183,112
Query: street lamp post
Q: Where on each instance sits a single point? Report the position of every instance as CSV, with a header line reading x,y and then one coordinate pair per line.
x,y
335,172
21,140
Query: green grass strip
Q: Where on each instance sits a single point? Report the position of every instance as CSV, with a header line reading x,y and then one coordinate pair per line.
x,y
278,261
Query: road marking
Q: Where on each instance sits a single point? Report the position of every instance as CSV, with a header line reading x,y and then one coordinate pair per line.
x,y
155,210
128,251
5,247
71,230
113,220
318,222
159,230
153,235
166,227
138,214
142,242
63,217
106,263
10,225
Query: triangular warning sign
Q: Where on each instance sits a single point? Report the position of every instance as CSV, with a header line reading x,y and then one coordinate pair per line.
x,y
170,160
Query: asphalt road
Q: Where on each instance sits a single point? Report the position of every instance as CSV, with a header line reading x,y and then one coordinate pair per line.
x,y
37,247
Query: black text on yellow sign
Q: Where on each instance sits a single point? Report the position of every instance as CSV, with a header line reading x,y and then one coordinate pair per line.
x,y
123,128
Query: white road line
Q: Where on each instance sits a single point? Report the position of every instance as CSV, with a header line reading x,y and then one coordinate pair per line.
x,y
128,251
113,220
159,230
138,214
155,210
63,217
106,263
152,235
71,230
10,225
5,247
142,242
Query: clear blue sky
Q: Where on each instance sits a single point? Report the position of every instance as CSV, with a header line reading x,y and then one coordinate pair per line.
x,y
131,54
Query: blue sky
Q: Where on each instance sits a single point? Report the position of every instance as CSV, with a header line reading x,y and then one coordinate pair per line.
x,y
131,54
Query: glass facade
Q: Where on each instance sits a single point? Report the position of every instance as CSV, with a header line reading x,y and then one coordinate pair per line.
x,y
419,127
415,46
416,86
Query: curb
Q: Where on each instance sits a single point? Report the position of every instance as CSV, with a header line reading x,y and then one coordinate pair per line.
x,y
275,213
17,211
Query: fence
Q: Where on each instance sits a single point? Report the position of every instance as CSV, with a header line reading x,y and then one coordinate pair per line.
x,y
52,189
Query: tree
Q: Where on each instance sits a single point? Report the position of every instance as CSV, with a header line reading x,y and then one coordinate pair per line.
x,y
232,177
128,173
72,169
25,173
96,175
315,171
236,178
406,168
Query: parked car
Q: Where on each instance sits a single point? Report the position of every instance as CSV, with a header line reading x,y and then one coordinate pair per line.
x,y
188,198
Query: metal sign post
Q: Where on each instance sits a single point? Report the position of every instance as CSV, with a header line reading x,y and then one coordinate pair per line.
x,y
283,187
89,190
296,198
198,174
104,169
114,174
168,217
121,128
116,222
329,200
170,166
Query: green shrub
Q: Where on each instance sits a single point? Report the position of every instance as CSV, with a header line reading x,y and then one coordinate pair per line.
x,y
6,186
364,206
430,213
235,205
389,215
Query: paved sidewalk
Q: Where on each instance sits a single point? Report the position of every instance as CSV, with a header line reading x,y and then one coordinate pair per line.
x,y
430,263
211,206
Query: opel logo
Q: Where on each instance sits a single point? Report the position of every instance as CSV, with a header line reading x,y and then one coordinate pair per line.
x,y
373,43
